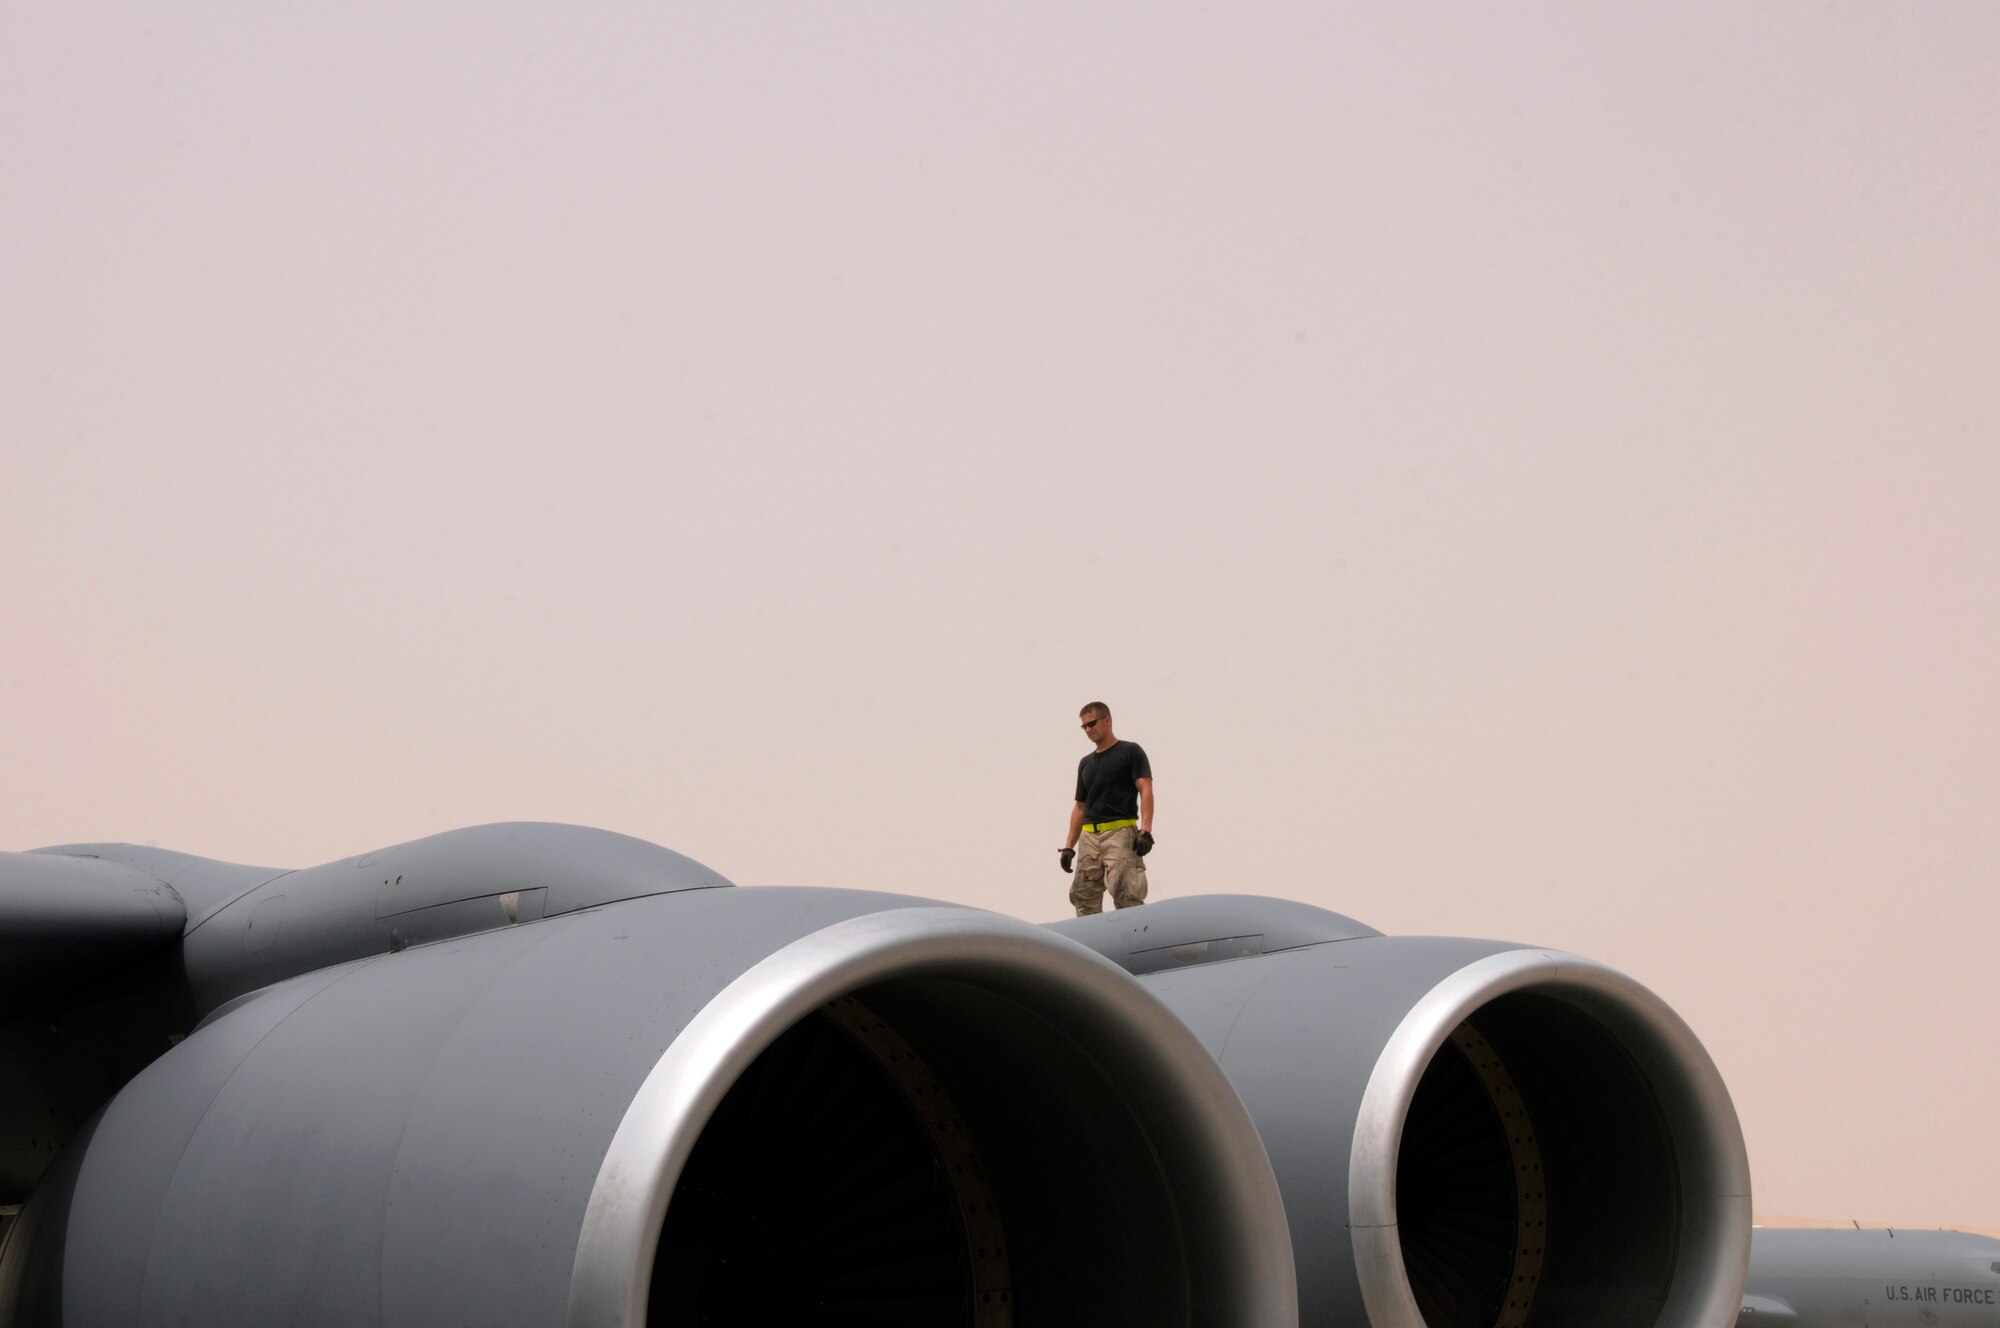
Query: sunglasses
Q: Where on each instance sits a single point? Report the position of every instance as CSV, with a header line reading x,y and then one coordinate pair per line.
x,y
1093,723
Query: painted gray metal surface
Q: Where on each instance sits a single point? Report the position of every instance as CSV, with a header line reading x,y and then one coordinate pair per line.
x,y
453,1082
1229,1214
203,884
1875,1278
1299,1033
246,927
63,919
407,1139
429,889
1201,929
377,1125
1326,1041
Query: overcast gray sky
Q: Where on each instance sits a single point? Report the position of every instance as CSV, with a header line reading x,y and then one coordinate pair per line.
x,y
1521,470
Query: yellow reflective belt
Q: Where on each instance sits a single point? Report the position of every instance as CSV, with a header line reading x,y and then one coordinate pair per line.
x,y
1109,825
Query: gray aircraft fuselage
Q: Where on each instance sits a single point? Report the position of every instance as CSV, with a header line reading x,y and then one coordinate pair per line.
x,y
1845,1278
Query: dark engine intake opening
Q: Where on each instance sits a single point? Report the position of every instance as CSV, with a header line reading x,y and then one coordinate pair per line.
x,y
1537,1184
1469,1199
928,1153
823,1191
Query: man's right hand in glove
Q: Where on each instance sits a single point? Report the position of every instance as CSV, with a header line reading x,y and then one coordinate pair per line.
x,y
1068,861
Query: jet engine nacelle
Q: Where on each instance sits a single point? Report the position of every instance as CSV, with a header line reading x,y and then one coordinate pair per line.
x,y
1468,1134
711,1105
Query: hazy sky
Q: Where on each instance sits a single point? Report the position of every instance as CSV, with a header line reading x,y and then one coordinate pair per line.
x,y
1522,470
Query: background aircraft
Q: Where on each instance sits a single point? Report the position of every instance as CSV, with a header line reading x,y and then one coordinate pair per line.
x,y
1886,1278
540,1074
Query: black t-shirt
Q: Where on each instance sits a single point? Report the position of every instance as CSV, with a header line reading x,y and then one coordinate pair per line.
x,y
1104,782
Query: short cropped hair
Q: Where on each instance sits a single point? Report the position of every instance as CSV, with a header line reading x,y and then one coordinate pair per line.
x,y
1094,708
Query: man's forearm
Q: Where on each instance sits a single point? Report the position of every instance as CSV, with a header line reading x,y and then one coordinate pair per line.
x,y
1146,809
1075,825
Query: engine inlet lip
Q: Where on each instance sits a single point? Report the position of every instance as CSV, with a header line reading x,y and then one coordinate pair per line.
x,y
611,1276
1715,1166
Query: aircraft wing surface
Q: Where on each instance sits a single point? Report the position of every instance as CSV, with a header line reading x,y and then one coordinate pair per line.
x,y
63,916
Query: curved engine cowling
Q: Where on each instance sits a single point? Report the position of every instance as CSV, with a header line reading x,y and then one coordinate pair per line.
x,y
729,1106
1468,1134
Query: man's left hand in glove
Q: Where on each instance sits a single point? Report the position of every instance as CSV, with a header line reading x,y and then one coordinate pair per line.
x,y
1142,843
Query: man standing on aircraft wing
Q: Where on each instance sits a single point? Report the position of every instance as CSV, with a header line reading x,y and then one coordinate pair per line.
x,y
1113,815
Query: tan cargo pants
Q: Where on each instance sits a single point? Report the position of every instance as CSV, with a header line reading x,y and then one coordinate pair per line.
x,y
1106,858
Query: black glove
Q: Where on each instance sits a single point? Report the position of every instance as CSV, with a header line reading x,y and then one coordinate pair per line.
x,y
1068,861
1142,843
